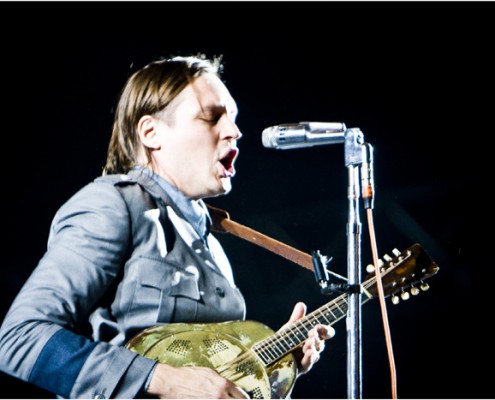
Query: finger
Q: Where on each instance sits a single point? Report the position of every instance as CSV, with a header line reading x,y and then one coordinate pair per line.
x,y
309,344
324,332
314,343
309,358
238,393
320,346
298,312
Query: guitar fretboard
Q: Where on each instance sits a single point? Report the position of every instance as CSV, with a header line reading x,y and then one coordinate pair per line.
x,y
406,269
284,341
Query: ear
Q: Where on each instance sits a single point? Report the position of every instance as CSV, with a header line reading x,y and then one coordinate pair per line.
x,y
148,133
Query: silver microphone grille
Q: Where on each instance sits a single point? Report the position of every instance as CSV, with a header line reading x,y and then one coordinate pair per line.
x,y
268,137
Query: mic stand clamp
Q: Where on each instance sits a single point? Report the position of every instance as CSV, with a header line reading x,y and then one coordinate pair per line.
x,y
320,263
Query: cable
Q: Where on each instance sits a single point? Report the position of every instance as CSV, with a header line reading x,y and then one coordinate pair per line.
x,y
383,306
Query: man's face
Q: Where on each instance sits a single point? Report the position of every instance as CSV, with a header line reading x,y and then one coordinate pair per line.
x,y
198,145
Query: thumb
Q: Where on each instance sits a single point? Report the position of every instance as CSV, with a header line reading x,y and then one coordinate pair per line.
x,y
298,312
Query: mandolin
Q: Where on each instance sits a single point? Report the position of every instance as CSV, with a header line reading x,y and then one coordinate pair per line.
x,y
260,360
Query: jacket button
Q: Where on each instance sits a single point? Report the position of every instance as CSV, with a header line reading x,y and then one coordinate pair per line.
x,y
220,291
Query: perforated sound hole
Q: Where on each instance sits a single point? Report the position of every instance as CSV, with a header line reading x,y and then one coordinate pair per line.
x,y
256,393
215,346
247,368
179,347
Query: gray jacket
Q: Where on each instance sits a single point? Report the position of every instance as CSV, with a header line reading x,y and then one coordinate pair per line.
x,y
120,258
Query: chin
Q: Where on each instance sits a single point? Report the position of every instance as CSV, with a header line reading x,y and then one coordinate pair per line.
x,y
223,188
226,185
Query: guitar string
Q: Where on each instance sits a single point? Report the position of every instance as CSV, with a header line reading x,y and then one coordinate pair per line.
x,y
275,341
294,333
265,346
260,348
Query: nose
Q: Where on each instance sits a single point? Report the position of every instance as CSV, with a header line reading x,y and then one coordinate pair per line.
x,y
230,130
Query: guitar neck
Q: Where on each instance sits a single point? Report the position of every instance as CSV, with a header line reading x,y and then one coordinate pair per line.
x,y
284,341
405,270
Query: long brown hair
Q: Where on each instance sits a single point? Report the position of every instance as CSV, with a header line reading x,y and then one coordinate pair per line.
x,y
147,92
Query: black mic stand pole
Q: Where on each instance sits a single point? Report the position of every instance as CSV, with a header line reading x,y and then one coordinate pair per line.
x,y
354,154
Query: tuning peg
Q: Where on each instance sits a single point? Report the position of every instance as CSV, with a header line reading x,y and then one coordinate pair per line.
x,y
396,252
404,295
395,299
387,258
424,286
371,268
414,291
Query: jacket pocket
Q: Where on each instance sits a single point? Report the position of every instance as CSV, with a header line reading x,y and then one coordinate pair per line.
x,y
167,293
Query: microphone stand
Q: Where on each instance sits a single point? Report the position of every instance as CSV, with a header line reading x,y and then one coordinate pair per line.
x,y
287,136
357,155
354,154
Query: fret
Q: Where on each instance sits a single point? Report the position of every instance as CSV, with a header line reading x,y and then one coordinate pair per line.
x,y
324,316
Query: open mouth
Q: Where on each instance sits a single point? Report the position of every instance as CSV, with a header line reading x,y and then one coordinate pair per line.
x,y
228,162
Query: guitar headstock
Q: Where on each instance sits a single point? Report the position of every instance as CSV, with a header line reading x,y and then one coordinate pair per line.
x,y
404,273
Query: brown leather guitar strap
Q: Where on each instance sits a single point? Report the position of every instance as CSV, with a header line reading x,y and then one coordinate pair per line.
x,y
222,223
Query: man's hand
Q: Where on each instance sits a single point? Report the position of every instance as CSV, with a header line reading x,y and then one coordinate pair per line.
x,y
310,351
192,383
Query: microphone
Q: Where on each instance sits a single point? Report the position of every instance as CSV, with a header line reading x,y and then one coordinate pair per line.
x,y
303,134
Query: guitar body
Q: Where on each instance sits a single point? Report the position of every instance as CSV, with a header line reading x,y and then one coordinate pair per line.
x,y
224,347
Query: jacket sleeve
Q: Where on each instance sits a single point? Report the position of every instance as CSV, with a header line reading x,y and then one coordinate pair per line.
x,y
44,338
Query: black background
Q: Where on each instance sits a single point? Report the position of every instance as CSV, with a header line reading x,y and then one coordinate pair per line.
x,y
415,77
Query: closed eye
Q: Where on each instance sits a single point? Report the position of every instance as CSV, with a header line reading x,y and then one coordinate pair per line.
x,y
211,121
211,115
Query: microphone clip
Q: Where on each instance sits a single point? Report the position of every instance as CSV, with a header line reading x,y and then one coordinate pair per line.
x,y
320,263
